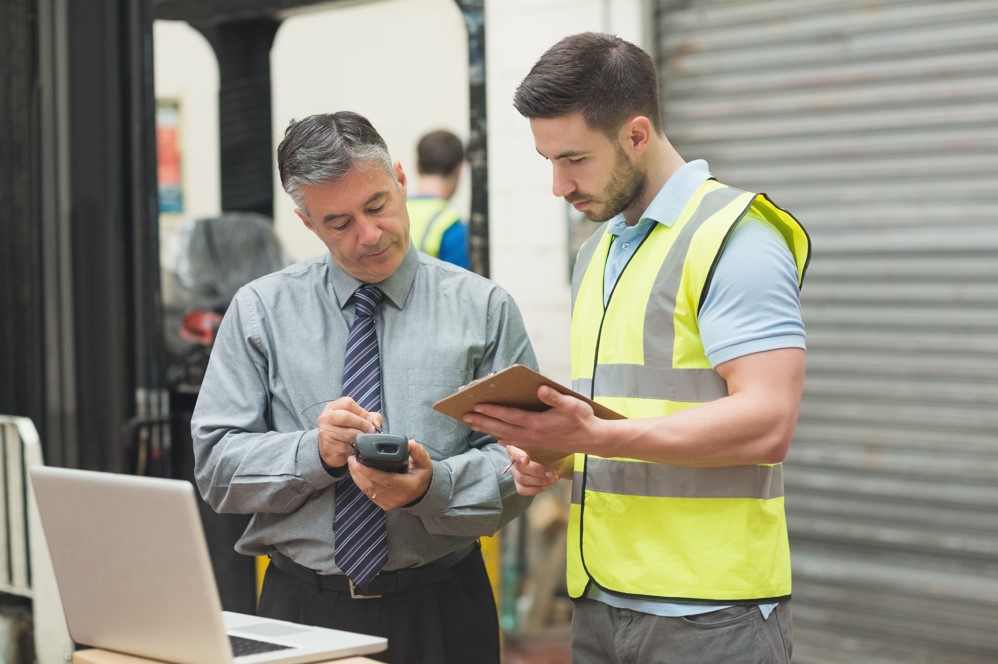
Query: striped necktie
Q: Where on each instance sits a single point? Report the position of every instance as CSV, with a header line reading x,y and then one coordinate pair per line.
x,y
361,545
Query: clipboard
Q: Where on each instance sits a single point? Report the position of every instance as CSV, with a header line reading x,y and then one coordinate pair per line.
x,y
516,387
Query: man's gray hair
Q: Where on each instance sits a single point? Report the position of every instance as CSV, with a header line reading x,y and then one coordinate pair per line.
x,y
325,147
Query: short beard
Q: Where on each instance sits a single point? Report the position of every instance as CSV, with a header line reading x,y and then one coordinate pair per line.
x,y
626,186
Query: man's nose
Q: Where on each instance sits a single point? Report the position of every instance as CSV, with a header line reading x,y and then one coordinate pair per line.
x,y
370,231
561,186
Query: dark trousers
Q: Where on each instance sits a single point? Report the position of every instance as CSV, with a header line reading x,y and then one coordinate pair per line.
x,y
450,621
602,634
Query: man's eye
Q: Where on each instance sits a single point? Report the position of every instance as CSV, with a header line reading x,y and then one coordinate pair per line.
x,y
377,208
576,160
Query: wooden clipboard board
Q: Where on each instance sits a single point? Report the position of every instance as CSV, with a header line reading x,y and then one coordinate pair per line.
x,y
516,387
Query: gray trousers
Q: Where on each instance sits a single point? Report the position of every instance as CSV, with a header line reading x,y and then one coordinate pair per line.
x,y
602,634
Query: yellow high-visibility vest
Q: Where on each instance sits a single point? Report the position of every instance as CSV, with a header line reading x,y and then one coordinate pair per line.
x,y
648,530
429,219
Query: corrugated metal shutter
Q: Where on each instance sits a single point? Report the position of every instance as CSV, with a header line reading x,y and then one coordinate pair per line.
x,y
876,123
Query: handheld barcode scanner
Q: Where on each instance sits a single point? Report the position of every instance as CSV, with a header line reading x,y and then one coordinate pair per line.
x,y
384,451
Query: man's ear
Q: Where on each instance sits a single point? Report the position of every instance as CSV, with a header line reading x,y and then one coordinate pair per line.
x,y
304,219
400,177
636,134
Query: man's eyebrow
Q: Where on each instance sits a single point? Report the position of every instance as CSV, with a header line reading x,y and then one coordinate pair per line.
x,y
336,215
565,155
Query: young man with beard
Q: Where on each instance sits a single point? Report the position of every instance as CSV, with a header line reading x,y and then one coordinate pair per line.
x,y
686,319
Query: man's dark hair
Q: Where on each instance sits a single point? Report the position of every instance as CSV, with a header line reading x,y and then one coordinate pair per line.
x,y
606,79
439,153
323,148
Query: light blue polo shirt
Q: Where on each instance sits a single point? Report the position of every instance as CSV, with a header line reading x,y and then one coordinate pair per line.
x,y
753,305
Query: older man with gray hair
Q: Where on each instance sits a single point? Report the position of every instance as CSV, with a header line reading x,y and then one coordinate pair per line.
x,y
364,338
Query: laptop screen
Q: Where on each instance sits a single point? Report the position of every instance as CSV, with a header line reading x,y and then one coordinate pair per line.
x,y
134,573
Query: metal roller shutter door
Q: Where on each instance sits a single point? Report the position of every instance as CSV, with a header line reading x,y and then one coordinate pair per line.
x,y
876,124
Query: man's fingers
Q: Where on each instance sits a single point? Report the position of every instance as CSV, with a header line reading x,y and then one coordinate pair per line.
x,y
525,488
377,420
420,456
345,417
498,421
517,454
567,404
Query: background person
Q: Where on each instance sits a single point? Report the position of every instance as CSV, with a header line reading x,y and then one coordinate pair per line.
x,y
436,228
283,347
686,319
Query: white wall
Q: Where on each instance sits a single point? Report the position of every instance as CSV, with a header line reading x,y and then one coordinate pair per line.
x,y
404,64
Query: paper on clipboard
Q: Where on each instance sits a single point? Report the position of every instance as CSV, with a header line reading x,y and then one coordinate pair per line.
x,y
516,387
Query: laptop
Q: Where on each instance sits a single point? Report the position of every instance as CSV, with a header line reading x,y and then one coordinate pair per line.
x,y
134,574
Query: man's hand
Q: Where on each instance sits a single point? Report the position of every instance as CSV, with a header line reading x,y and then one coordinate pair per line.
x,y
568,426
390,490
339,423
534,477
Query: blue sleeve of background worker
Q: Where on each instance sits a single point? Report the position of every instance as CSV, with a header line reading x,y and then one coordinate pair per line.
x,y
454,245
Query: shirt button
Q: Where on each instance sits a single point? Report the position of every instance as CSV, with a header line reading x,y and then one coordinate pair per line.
x,y
627,245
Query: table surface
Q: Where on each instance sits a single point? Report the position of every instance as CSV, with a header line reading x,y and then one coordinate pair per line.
x,y
97,656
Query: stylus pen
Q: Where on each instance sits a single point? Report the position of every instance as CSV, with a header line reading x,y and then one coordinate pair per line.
x,y
507,468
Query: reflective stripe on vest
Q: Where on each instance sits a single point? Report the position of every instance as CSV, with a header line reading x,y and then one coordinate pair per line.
x,y
652,530
429,219
656,480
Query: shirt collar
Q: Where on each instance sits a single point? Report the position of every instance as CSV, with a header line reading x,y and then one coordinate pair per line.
x,y
396,287
670,200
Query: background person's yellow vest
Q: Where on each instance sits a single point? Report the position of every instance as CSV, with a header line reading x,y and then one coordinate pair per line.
x,y
429,219
652,530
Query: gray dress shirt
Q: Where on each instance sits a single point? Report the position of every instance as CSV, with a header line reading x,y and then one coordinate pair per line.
x,y
280,350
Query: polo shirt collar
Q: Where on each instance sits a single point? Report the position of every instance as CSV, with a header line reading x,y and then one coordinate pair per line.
x,y
670,200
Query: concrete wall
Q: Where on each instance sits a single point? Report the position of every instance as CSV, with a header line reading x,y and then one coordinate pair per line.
x,y
403,64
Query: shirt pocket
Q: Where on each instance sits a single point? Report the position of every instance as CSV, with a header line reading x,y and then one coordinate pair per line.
x,y
440,434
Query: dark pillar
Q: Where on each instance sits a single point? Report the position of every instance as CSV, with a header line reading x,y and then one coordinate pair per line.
x,y
477,150
245,122
108,223
22,339
79,292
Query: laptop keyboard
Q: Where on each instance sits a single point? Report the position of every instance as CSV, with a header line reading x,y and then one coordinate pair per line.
x,y
242,646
